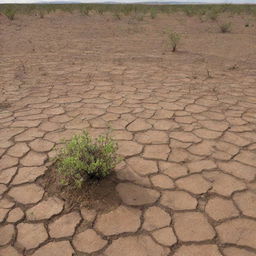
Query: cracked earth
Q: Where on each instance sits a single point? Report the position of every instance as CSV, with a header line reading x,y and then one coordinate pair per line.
x,y
187,182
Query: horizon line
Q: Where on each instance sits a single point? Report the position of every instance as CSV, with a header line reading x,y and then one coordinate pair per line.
x,y
169,2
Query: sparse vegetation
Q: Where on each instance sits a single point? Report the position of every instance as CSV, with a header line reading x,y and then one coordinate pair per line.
x,y
210,11
4,105
85,158
117,16
153,13
100,11
213,15
68,9
139,16
10,13
173,39
233,67
189,10
41,14
85,10
225,27
208,74
50,9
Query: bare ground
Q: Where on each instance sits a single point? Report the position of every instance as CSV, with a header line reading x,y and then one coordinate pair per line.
x,y
184,121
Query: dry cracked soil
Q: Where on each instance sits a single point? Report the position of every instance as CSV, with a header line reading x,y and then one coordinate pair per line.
x,y
185,124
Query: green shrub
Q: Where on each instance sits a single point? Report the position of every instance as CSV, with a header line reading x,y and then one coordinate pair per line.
x,y
153,13
10,13
50,8
225,28
189,11
84,158
127,9
117,16
173,39
67,8
213,15
85,10
100,10
41,14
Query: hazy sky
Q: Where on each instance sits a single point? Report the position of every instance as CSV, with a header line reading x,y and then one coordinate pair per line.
x,y
130,1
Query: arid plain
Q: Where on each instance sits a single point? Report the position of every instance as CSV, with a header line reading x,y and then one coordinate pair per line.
x,y
185,123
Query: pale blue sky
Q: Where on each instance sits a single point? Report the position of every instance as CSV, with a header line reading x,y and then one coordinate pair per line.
x,y
132,1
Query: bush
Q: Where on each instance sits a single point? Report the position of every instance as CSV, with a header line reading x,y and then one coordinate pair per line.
x,y
225,28
85,10
41,14
117,16
50,8
84,158
174,39
189,11
67,8
100,11
153,13
126,9
213,15
10,13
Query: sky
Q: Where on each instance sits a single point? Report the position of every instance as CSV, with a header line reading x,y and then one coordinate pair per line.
x,y
132,1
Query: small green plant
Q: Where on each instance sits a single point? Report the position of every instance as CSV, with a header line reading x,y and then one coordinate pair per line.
x,y
85,158
126,9
50,8
190,10
225,28
10,13
41,14
67,8
213,15
100,11
153,13
173,39
85,10
117,16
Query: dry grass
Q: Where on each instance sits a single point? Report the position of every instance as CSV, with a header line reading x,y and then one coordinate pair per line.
x,y
211,11
225,27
